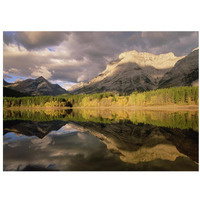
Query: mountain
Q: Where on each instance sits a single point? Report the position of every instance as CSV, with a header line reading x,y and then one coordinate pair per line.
x,y
5,83
39,86
18,80
132,71
184,73
76,87
7,92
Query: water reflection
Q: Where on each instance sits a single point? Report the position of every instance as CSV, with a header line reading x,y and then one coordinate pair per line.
x,y
85,140
32,128
176,119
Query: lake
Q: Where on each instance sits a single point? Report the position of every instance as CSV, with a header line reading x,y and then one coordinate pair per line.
x,y
100,140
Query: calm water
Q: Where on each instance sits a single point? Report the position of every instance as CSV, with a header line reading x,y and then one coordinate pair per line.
x,y
96,140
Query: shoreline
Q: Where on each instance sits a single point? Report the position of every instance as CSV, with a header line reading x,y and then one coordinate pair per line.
x,y
163,107
132,108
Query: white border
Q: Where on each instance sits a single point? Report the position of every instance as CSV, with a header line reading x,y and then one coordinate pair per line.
x,y
105,15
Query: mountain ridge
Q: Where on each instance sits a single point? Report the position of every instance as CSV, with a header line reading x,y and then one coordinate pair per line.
x,y
184,72
38,86
133,71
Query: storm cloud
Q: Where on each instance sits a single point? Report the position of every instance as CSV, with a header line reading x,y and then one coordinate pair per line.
x,y
80,56
35,40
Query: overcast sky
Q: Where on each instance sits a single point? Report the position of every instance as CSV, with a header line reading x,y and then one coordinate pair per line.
x,y
70,57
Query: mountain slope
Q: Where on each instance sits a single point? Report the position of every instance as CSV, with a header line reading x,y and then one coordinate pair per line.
x,y
132,71
39,86
7,92
5,83
184,73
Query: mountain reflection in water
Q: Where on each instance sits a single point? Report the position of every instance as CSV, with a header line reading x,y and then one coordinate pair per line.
x,y
96,140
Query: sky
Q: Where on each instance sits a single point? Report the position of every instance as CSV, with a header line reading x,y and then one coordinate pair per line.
x,y
67,58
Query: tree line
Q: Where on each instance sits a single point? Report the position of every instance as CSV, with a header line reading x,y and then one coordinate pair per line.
x,y
187,95
36,101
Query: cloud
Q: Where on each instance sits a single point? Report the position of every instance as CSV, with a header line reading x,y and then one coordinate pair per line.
x,y
65,151
180,43
67,85
82,136
14,71
35,39
41,71
6,75
41,144
80,56
8,37
81,78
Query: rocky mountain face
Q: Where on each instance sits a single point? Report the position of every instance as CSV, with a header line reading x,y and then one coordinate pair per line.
x,y
184,73
141,71
39,86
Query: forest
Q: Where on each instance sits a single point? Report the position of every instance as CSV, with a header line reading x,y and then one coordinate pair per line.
x,y
187,95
